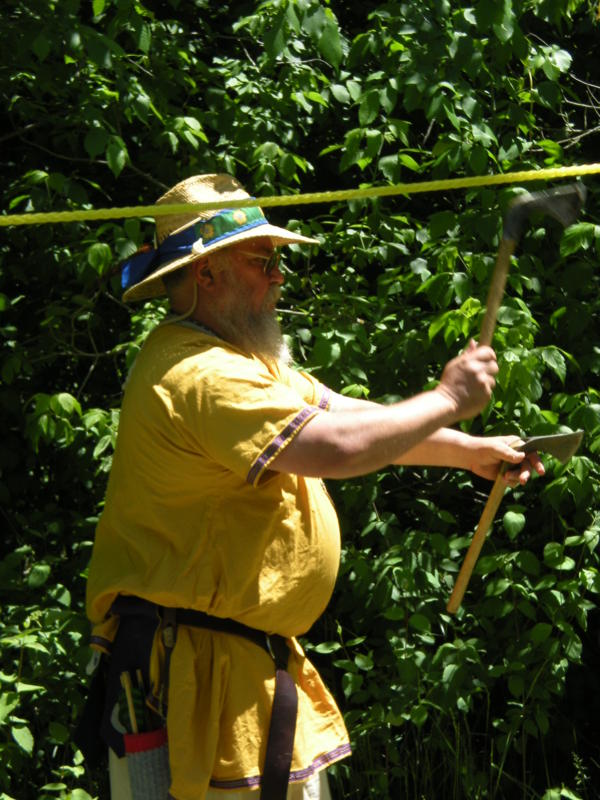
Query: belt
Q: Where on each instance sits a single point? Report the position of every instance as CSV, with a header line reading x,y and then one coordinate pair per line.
x,y
282,727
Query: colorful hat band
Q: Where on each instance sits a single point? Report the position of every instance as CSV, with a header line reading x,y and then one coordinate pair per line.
x,y
193,239
229,223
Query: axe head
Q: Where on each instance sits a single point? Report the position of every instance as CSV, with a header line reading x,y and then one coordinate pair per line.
x,y
560,445
562,204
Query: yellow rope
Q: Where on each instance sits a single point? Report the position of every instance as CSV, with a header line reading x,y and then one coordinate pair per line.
x,y
406,189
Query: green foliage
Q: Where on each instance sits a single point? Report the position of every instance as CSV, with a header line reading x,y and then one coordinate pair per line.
x,y
107,104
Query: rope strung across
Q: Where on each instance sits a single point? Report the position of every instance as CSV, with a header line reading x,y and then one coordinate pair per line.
x,y
406,189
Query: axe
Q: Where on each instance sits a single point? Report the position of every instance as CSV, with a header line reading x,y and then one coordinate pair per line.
x,y
562,204
562,446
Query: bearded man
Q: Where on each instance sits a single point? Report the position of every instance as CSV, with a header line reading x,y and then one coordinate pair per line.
x,y
218,543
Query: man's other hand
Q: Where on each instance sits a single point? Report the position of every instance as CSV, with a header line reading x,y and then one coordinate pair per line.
x,y
488,453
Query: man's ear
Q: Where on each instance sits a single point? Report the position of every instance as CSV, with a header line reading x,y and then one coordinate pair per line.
x,y
202,274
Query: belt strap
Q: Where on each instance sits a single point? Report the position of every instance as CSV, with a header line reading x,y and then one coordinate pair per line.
x,y
282,727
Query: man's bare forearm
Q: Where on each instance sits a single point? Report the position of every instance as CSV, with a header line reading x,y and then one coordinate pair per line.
x,y
362,437
445,447
356,441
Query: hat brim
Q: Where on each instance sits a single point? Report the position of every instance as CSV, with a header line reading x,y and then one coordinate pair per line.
x,y
153,285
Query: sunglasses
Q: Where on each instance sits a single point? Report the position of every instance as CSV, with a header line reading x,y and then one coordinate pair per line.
x,y
270,262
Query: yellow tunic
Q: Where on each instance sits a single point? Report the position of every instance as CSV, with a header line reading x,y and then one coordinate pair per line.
x,y
194,518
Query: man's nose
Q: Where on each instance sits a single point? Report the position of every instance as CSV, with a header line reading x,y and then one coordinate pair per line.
x,y
276,276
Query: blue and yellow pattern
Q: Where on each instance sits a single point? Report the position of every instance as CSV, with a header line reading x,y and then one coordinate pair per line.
x,y
195,238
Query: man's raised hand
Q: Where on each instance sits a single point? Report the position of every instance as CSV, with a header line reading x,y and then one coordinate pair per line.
x,y
468,380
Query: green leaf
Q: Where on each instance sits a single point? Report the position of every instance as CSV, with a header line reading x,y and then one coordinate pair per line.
x,y
8,702
419,714
450,671
540,632
330,43
513,522
528,562
98,7
116,155
363,662
58,732
322,27
561,58
102,445
368,109
38,575
41,46
578,237
554,557
497,586
316,98
341,94
555,360
95,141
65,404
99,256
79,794
144,38
395,613
419,622
23,737
275,38
328,647
516,686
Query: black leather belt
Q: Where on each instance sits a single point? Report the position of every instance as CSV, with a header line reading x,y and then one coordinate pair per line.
x,y
282,727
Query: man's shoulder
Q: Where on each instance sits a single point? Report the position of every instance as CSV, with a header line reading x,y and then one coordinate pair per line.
x,y
181,351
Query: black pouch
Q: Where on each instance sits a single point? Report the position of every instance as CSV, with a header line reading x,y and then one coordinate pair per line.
x,y
130,652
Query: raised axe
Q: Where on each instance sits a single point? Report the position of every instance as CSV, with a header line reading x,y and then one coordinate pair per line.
x,y
562,446
563,204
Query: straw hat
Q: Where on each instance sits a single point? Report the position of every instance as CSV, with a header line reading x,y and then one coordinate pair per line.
x,y
182,238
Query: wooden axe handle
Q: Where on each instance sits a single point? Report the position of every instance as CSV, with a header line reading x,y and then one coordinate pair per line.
x,y
494,299
485,523
496,290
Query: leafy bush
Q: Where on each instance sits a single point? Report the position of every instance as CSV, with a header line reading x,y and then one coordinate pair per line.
x,y
107,104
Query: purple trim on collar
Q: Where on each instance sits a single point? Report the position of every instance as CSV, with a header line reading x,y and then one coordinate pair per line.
x,y
278,443
296,776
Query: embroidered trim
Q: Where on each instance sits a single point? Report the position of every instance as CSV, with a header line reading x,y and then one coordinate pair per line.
x,y
278,443
296,776
325,398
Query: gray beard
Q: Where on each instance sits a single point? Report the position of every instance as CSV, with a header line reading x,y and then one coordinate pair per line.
x,y
256,332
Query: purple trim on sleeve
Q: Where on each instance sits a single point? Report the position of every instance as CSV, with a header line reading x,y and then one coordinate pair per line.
x,y
296,776
278,443
325,397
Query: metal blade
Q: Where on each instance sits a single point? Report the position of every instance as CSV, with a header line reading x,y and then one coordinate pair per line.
x,y
560,445
563,204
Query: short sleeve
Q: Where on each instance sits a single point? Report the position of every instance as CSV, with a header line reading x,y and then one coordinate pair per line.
x,y
243,415
309,388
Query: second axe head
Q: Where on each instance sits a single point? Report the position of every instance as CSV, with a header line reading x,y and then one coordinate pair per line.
x,y
560,445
